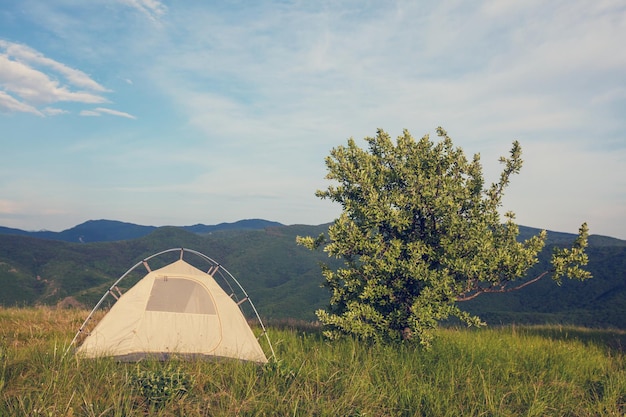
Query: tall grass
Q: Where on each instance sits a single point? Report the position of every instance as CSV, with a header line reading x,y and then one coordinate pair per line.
x,y
511,371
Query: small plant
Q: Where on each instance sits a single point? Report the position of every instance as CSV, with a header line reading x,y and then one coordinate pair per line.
x,y
162,385
280,370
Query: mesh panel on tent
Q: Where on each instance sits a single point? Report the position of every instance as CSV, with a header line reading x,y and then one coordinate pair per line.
x,y
180,295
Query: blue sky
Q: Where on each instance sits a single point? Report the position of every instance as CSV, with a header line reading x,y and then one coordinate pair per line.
x,y
162,112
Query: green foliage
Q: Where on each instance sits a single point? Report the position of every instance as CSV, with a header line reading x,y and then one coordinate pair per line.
x,y
567,262
161,385
278,370
419,232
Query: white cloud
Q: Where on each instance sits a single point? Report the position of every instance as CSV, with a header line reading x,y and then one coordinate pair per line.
x,y
99,111
51,111
90,113
24,84
23,53
153,9
10,104
115,113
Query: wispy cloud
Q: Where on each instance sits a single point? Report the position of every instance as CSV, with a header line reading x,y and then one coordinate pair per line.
x,y
292,79
27,55
537,66
99,111
29,79
90,113
153,9
51,111
9,104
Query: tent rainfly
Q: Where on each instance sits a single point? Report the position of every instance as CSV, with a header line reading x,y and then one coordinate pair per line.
x,y
176,310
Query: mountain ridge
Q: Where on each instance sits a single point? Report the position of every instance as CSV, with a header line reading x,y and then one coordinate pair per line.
x,y
104,230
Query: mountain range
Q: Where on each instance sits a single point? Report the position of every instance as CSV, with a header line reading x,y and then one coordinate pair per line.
x,y
76,266
112,230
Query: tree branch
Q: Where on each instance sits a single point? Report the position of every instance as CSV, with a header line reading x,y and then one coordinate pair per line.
x,y
500,289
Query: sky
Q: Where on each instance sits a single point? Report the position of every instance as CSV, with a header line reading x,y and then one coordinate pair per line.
x,y
172,112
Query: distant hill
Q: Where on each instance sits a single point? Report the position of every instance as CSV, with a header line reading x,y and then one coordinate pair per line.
x,y
284,279
111,230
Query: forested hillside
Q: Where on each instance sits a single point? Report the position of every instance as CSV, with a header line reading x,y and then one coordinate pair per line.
x,y
284,279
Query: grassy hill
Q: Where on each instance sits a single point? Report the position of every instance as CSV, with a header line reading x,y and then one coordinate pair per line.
x,y
284,279
511,371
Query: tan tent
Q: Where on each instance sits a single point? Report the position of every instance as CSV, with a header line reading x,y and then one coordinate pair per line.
x,y
175,310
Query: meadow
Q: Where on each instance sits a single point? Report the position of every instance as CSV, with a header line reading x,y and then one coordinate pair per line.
x,y
505,371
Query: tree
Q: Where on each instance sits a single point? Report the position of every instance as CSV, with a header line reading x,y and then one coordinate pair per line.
x,y
420,232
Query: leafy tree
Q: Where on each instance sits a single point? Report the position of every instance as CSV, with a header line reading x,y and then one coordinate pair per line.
x,y
420,232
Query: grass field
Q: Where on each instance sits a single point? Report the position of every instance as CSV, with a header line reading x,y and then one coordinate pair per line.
x,y
509,371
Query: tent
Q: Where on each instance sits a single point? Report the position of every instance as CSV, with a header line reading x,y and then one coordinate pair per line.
x,y
175,310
